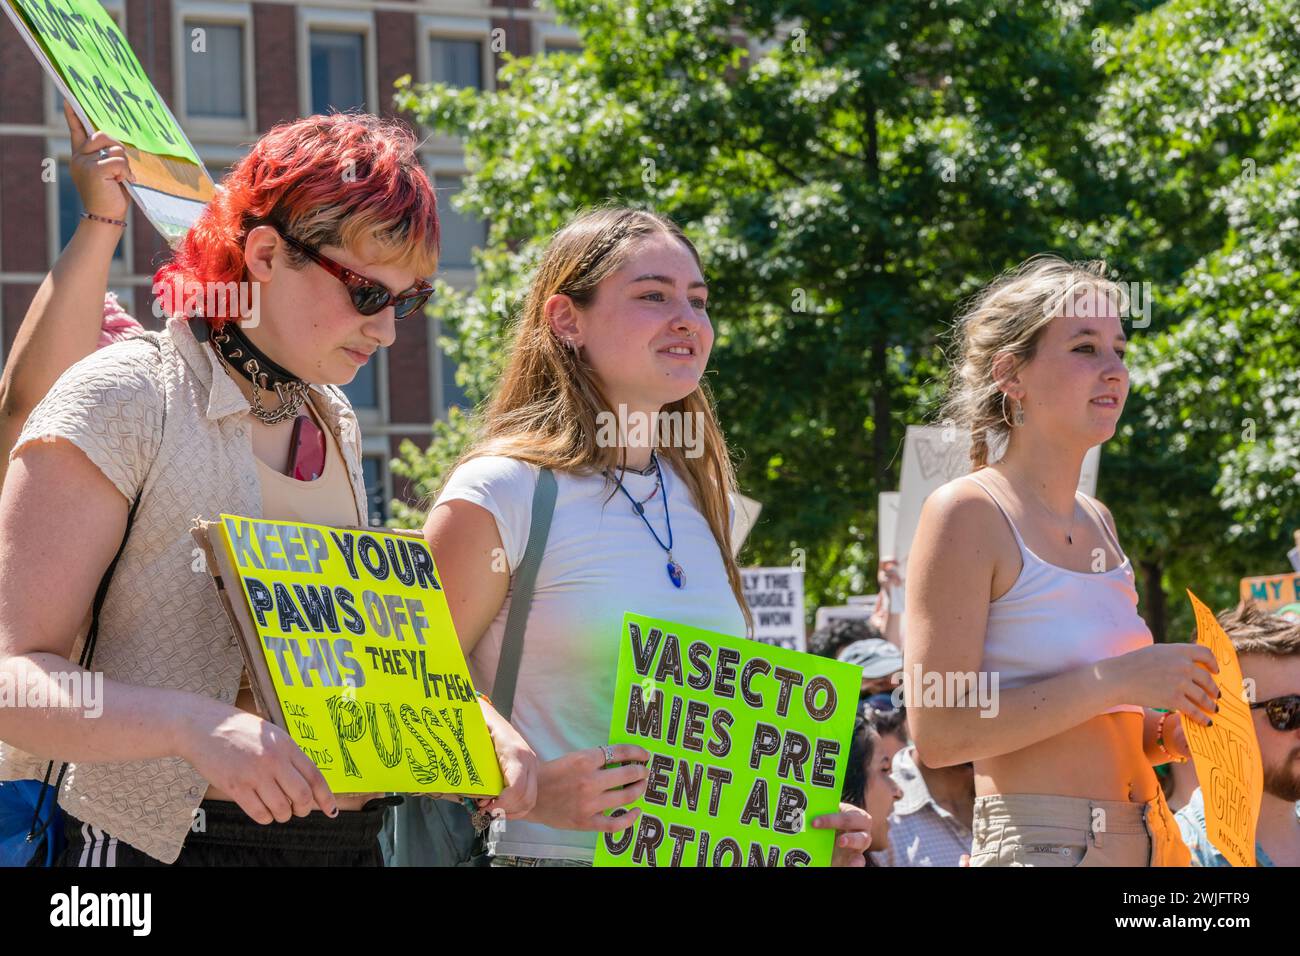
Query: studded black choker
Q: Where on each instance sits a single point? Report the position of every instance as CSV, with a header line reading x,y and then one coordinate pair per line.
x,y
237,352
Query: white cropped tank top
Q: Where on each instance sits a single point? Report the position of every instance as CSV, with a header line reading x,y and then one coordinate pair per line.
x,y
1054,619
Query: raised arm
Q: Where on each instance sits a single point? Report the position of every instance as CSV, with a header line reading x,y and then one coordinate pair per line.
x,y
63,321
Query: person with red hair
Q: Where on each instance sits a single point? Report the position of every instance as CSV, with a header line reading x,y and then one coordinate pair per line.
x,y
292,278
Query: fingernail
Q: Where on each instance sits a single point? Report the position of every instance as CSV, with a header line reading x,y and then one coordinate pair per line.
x,y
334,812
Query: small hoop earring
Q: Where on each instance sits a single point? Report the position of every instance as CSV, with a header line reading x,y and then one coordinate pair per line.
x,y
1018,413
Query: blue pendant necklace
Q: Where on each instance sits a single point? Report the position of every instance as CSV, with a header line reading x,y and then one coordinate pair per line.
x,y
675,572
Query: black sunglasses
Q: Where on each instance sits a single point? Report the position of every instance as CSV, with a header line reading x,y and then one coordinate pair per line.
x,y
1283,712
368,296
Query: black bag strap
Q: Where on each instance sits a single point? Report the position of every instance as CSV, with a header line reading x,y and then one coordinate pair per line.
x,y
87,656
88,649
521,600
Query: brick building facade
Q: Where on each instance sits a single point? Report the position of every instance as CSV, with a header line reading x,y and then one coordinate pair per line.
x,y
230,71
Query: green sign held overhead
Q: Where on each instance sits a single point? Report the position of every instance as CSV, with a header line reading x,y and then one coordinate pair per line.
x,y
748,745
99,67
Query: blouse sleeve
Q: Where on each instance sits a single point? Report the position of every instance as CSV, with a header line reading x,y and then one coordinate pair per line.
x,y
110,406
504,488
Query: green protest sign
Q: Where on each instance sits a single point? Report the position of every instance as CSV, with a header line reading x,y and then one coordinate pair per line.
x,y
99,68
748,745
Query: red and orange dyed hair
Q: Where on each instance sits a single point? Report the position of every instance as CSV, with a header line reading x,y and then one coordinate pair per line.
x,y
336,180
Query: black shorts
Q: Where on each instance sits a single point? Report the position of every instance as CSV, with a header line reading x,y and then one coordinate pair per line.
x,y
223,835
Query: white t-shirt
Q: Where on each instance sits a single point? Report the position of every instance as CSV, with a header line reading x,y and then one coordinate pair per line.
x,y
600,561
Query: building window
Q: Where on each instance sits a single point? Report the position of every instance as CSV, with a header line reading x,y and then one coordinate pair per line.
x,y
363,390
461,234
70,210
338,71
373,469
456,62
452,394
214,73
563,45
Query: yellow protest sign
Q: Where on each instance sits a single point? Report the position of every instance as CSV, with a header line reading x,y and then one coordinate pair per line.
x,y
351,647
1228,763
1271,591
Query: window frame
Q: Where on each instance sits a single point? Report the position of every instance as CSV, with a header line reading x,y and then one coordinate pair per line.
x,y
548,32
447,27
186,12
435,165
376,447
337,20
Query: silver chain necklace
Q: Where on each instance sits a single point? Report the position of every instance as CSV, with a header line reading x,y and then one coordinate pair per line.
x,y
291,394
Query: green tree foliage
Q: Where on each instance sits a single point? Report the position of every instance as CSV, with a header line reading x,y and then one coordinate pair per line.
x,y
1197,135
850,175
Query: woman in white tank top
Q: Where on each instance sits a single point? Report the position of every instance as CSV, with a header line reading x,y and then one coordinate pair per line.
x,y
1019,581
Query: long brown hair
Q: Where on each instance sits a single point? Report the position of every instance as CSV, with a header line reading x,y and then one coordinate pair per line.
x,y
545,408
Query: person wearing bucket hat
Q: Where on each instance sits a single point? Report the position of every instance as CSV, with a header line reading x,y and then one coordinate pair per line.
x,y
879,660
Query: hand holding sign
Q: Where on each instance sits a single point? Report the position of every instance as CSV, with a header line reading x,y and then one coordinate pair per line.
x,y
96,64
577,790
98,179
1229,767
747,745
351,648
255,762
519,768
852,826
1168,677
103,83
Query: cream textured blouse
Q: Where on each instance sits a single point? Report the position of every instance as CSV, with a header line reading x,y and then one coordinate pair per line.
x,y
163,624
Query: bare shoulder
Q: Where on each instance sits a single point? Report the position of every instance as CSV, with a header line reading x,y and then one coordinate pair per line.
x,y
961,509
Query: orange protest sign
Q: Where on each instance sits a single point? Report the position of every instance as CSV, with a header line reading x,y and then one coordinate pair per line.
x,y
1228,763
1271,591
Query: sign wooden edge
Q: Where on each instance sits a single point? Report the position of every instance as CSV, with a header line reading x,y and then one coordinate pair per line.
x,y
221,569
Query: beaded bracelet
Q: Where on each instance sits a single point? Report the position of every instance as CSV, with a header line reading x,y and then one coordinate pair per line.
x,y
111,222
1160,739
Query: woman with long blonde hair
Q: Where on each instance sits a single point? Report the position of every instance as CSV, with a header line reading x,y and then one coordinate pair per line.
x,y
604,389
1018,576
